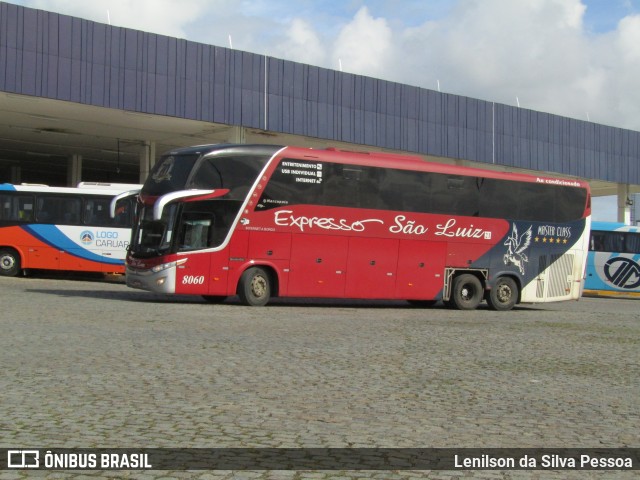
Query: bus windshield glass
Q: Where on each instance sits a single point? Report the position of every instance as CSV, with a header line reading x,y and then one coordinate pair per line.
x,y
183,227
151,236
183,172
190,225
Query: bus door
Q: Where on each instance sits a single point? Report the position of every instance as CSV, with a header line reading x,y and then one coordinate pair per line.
x,y
195,233
318,265
421,268
371,268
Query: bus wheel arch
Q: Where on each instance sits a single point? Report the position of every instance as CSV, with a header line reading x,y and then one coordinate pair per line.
x,y
257,285
467,291
504,294
10,262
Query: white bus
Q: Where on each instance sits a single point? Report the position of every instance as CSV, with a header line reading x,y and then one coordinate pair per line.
x,y
59,228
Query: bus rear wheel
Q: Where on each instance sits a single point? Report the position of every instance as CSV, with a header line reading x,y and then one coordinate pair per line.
x,y
504,295
9,262
466,293
254,288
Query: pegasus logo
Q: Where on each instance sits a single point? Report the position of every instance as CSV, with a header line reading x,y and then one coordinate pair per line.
x,y
516,246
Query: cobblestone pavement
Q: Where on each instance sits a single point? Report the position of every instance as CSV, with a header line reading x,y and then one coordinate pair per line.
x,y
90,364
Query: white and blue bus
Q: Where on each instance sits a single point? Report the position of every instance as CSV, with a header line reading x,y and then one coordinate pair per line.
x,y
59,228
613,264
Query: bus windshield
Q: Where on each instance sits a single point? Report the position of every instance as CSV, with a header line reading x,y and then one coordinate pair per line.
x,y
185,226
183,172
154,236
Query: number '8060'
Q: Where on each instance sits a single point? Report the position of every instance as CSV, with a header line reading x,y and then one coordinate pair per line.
x,y
193,280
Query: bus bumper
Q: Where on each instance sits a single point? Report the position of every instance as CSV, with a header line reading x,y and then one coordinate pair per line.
x,y
163,281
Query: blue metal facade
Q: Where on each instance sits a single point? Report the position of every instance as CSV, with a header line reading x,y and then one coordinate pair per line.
x,y
60,57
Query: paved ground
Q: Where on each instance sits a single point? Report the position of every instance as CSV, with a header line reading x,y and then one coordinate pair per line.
x,y
88,363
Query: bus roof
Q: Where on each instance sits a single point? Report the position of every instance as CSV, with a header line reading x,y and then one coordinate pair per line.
x,y
230,147
111,190
614,227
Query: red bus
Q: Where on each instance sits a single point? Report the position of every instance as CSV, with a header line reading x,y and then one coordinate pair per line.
x,y
60,228
261,221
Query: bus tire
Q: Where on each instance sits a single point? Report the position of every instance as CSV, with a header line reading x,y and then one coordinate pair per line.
x,y
504,295
9,262
254,288
467,292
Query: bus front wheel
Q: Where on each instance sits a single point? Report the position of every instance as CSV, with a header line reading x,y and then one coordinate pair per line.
x,y
504,295
466,293
254,288
9,262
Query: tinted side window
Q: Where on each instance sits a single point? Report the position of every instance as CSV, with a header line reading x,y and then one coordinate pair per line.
x,y
96,211
304,182
617,242
16,207
498,199
596,242
632,243
405,190
124,213
297,182
531,201
454,194
58,210
236,173
570,203
195,230
352,186
206,223
614,242
534,202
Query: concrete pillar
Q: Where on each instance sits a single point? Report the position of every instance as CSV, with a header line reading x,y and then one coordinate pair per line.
x,y
74,170
624,204
16,175
239,135
147,159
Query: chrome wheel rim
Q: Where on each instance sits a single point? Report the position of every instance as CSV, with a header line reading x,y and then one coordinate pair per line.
x,y
259,286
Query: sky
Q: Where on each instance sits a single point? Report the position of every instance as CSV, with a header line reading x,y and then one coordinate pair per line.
x,y
576,58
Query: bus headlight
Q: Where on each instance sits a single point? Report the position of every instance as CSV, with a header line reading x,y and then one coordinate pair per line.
x,y
165,266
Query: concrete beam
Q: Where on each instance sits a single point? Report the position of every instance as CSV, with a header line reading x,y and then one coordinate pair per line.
x,y
16,174
239,135
147,159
